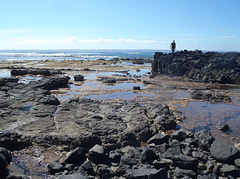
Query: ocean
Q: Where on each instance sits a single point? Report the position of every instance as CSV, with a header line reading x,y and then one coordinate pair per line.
x,y
79,54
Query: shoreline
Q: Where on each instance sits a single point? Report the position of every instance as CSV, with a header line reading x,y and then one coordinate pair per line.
x,y
161,86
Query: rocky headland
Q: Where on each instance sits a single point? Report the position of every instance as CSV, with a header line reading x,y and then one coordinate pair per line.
x,y
208,67
103,139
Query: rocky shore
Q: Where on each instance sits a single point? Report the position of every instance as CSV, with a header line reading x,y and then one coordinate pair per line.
x,y
104,139
212,67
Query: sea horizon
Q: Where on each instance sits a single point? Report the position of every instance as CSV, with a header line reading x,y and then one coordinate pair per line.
x,y
81,54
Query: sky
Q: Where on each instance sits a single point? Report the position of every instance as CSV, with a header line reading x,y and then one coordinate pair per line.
x,y
212,25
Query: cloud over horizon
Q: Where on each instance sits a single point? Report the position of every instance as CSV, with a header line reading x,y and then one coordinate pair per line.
x,y
75,42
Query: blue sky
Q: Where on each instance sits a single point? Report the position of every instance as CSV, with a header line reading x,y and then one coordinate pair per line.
x,y
120,24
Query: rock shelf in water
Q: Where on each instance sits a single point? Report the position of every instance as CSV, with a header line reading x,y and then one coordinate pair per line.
x,y
213,67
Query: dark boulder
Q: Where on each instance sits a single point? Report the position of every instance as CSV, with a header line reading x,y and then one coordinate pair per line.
x,y
223,152
97,154
136,88
77,156
148,155
4,81
179,135
86,141
5,158
130,139
18,72
223,126
114,156
78,78
50,83
49,100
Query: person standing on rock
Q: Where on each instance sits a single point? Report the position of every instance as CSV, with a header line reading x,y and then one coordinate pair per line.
x,y
173,46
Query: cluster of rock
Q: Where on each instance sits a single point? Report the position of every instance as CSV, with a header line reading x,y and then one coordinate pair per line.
x,y
211,97
203,67
180,155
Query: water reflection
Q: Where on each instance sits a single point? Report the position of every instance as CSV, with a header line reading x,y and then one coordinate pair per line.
x,y
207,115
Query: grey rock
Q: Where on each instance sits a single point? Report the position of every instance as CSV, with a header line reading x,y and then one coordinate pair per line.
x,y
129,138
55,167
180,173
103,171
223,126
114,156
172,151
223,152
179,135
97,154
159,139
148,155
73,176
185,162
204,139
200,155
208,176
229,170
146,172
87,168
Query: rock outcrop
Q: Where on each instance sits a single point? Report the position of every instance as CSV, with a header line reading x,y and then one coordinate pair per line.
x,y
213,67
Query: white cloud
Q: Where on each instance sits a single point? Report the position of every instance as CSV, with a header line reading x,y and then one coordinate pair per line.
x,y
226,37
75,42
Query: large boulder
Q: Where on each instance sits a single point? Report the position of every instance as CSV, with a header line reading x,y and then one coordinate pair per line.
x,y
77,156
97,154
78,78
223,152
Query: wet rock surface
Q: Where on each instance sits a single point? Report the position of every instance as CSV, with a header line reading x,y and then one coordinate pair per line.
x,y
108,139
36,71
203,67
211,97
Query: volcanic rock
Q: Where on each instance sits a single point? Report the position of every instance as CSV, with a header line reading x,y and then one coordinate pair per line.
x,y
204,67
223,152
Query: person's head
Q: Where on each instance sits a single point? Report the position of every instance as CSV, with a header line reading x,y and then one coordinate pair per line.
x,y
173,41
